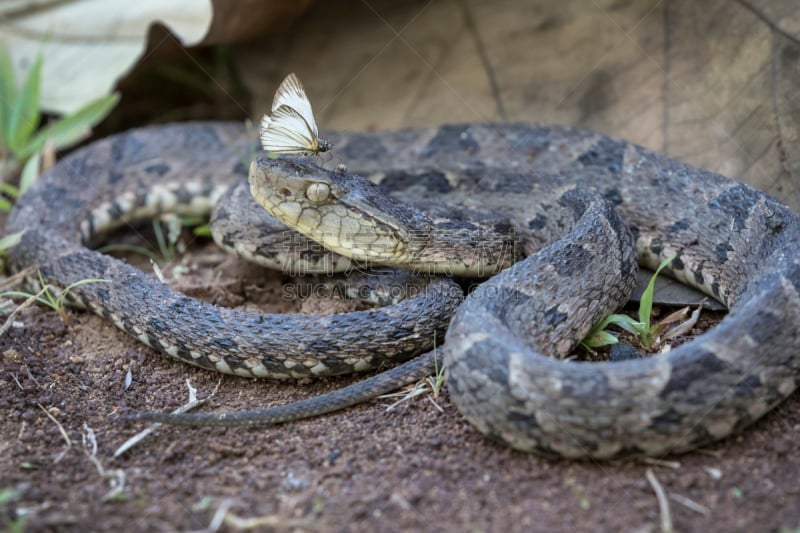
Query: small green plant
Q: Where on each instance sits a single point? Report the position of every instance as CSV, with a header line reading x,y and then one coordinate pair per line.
x,y
434,383
439,376
167,239
642,329
48,298
21,143
6,242
9,241
11,525
202,230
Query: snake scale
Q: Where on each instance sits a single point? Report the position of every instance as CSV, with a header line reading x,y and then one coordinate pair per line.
x,y
737,244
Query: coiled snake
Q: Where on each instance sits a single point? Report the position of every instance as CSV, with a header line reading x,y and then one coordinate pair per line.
x,y
737,244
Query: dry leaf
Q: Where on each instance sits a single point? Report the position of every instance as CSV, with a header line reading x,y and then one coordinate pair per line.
x,y
713,83
87,45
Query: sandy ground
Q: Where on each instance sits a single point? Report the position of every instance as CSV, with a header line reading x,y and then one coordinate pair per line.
x,y
418,466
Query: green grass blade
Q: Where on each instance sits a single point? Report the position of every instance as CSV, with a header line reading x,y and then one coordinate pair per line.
x,y
123,247
30,171
62,296
8,93
191,221
26,295
9,190
72,128
646,302
84,282
8,241
596,339
621,321
202,231
24,116
51,300
164,246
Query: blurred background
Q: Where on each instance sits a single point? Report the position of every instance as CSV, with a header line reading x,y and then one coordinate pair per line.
x,y
713,83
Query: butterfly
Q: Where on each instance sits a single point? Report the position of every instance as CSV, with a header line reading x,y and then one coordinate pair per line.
x,y
291,129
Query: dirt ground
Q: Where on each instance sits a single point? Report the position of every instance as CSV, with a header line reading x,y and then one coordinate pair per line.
x,y
419,466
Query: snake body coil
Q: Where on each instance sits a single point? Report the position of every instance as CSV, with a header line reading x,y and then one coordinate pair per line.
x,y
735,243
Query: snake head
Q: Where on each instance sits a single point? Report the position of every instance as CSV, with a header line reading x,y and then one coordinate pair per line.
x,y
344,212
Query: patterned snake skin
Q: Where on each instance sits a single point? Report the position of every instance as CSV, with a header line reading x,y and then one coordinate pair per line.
x,y
735,243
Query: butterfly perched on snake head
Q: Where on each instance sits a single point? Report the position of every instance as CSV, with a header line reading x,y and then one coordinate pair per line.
x,y
291,129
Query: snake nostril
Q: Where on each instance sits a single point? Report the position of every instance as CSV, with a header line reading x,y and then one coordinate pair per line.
x,y
285,192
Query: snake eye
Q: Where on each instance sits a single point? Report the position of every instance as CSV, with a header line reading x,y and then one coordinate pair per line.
x,y
318,192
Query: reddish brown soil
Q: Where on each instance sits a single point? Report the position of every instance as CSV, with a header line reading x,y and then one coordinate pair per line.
x,y
365,469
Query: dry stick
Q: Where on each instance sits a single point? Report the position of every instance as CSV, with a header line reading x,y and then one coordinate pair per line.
x,y
61,429
686,326
191,404
663,503
116,476
661,462
436,405
416,390
690,504
16,279
27,303
271,521
219,516
223,516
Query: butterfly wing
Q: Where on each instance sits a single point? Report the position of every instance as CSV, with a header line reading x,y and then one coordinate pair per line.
x,y
291,94
286,131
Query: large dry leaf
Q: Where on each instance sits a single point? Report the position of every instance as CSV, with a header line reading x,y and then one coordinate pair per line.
x,y
87,45
714,83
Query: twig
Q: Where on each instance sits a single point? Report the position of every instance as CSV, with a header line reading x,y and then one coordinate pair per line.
x,y
15,279
27,303
690,504
686,326
416,390
661,462
191,404
61,429
436,405
269,521
116,476
219,516
224,516
663,503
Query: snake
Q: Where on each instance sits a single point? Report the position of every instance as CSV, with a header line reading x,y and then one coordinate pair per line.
x,y
608,203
